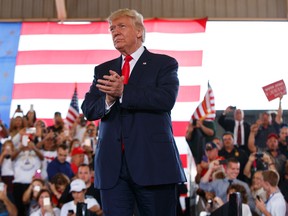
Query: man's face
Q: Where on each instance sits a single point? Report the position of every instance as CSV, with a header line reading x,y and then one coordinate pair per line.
x,y
212,154
232,170
62,155
84,174
272,144
78,159
78,196
283,133
125,35
228,141
238,115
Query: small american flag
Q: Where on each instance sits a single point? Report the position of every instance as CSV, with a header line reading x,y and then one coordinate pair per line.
x,y
73,111
206,109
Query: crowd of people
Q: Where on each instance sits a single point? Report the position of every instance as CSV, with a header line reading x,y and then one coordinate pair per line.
x,y
48,170
249,158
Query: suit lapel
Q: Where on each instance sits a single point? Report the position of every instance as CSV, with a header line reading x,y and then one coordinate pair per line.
x,y
141,66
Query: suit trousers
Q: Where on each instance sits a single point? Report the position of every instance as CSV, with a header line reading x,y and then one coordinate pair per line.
x,y
126,196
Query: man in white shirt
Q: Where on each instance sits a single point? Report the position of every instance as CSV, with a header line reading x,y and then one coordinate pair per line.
x,y
78,190
275,204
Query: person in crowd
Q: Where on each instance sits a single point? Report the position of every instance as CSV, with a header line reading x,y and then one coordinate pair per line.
x,y
77,158
218,142
272,148
211,151
59,164
78,129
75,143
30,117
238,126
89,141
44,201
41,131
58,126
6,206
26,161
230,150
219,186
198,133
275,204
85,173
233,188
264,126
283,141
16,129
78,190
57,186
283,186
257,189
135,132
30,195
3,130
7,169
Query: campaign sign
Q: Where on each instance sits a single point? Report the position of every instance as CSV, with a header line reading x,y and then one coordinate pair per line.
x,y
275,90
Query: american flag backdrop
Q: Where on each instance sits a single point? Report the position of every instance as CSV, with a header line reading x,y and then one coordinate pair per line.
x,y
41,61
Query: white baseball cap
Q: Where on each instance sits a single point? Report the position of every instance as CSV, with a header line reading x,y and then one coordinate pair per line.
x,y
77,185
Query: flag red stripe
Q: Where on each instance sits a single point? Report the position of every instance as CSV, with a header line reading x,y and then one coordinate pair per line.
x,y
55,91
179,127
179,26
184,58
183,158
189,93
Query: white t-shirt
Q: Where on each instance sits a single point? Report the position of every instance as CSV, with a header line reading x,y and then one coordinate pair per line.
x,y
7,167
71,205
276,204
38,213
25,166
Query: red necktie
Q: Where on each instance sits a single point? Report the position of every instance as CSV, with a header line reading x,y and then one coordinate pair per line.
x,y
126,69
239,142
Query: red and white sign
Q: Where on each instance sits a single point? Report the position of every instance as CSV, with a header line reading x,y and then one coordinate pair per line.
x,y
275,90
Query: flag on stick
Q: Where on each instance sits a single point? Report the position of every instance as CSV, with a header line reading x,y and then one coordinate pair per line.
x,y
73,111
206,109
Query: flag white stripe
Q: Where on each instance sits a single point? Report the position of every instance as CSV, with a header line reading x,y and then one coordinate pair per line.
x,y
104,42
188,76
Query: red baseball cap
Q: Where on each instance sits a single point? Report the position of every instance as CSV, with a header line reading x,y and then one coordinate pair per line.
x,y
77,150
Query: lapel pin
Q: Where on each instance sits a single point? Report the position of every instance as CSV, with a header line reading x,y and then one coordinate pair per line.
x,y
144,63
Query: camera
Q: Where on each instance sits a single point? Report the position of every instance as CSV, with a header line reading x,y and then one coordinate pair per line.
x,y
259,155
233,107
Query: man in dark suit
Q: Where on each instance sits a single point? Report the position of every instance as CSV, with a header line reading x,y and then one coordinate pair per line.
x,y
237,126
136,158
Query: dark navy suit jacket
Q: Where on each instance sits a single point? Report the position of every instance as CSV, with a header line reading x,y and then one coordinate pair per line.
x,y
142,121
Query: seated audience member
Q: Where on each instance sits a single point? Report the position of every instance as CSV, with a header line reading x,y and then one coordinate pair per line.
x,y
30,195
211,154
219,186
198,133
44,202
59,164
264,126
86,174
230,150
238,126
7,170
258,161
275,204
272,149
26,161
6,206
217,202
78,190
57,186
